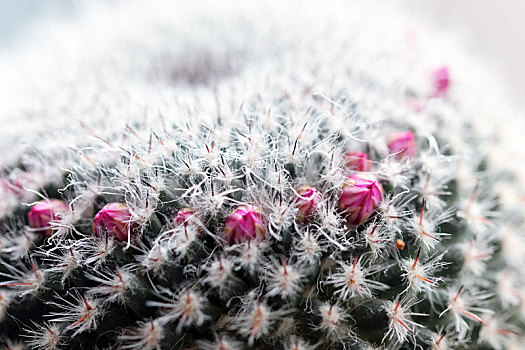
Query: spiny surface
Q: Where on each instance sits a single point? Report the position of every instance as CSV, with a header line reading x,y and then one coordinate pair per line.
x,y
198,188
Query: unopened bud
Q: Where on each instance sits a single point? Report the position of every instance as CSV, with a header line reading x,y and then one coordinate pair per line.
x,y
114,219
441,81
360,198
184,216
43,213
308,202
243,224
402,144
357,161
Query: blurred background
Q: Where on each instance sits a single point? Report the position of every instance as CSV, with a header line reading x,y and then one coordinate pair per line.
x,y
494,31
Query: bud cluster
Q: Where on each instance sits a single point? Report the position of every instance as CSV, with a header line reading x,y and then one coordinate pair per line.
x,y
300,195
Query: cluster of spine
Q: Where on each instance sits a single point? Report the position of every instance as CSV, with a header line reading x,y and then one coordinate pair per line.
x,y
295,221
229,247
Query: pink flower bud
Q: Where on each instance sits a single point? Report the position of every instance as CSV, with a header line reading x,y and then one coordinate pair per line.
x,y
9,187
360,198
43,213
441,81
243,224
357,161
183,216
307,202
114,219
403,144
5,186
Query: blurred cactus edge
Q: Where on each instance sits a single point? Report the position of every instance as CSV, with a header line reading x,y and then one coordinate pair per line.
x,y
228,175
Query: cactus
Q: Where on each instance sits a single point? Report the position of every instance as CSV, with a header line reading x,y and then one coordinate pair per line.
x,y
292,195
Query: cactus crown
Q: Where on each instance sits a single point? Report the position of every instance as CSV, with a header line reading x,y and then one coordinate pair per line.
x,y
322,203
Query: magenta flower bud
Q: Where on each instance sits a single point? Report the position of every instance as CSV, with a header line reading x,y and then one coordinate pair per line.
x,y
114,219
403,144
183,216
357,161
360,198
243,224
307,202
43,213
441,81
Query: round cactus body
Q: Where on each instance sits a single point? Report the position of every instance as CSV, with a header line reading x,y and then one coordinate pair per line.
x,y
205,175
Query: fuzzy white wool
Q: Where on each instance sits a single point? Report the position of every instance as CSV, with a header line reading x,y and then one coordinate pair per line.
x,y
97,62
214,106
